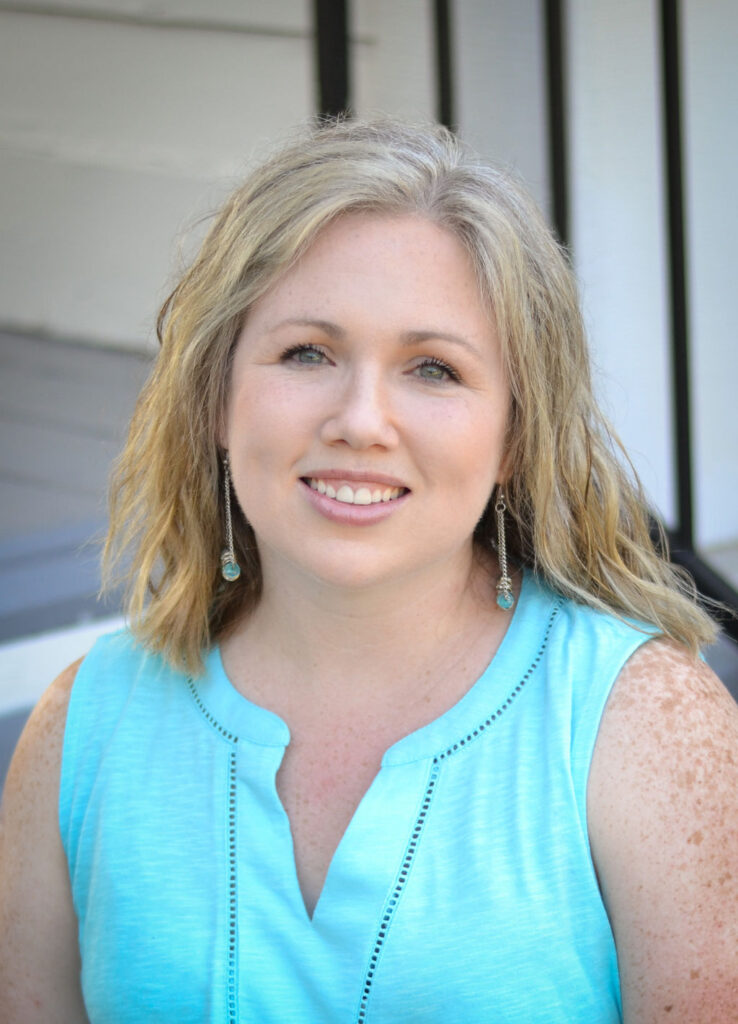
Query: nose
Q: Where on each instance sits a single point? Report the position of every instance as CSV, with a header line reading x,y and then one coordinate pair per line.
x,y
361,415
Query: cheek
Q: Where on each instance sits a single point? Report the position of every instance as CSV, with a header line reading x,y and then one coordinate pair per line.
x,y
471,444
254,412
268,429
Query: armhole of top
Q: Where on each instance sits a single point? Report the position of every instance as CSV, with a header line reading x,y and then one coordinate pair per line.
x,y
81,730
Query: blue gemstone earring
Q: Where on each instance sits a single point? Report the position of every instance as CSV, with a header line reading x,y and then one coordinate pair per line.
x,y
229,568
505,596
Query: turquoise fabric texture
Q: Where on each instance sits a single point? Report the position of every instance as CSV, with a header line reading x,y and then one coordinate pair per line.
x,y
462,891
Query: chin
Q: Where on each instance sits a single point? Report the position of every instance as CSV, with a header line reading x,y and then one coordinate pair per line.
x,y
354,578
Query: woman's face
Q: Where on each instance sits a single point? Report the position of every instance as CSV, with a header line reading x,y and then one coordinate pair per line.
x,y
367,407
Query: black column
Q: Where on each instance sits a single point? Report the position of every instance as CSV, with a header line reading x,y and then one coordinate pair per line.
x,y
676,260
557,136
443,31
332,56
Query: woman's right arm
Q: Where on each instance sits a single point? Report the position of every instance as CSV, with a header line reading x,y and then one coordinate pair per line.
x,y
39,951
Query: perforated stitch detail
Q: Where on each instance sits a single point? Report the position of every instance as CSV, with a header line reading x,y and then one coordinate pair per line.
x,y
232,971
412,846
391,904
491,719
232,892
210,718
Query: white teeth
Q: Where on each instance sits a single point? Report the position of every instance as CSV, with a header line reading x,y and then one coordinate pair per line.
x,y
361,496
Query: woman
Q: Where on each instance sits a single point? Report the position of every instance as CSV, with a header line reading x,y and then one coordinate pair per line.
x,y
429,740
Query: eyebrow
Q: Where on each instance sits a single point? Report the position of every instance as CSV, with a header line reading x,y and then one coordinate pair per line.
x,y
333,330
327,326
430,334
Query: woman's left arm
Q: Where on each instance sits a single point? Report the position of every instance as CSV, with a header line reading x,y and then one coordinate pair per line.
x,y
663,824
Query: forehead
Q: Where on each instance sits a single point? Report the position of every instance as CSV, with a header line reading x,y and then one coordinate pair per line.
x,y
389,264
394,235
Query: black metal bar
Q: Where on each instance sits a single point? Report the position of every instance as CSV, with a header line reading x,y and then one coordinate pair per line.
x,y
332,56
554,16
709,582
444,64
671,101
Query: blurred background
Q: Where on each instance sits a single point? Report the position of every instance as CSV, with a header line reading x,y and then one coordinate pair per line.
x,y
123,123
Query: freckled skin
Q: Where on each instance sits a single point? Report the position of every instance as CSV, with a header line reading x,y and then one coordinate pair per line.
x,y
336,751
39,957
663,819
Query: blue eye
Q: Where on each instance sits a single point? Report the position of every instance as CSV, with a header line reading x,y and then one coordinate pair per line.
x,y
307,355
435,370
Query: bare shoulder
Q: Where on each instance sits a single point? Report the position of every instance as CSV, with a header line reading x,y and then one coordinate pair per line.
x,y
663,819
33,775
39,960
40,744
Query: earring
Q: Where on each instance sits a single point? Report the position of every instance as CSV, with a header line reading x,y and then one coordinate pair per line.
x,y
229,568
505,596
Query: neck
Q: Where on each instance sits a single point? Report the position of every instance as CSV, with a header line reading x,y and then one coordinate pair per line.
x,y
364,638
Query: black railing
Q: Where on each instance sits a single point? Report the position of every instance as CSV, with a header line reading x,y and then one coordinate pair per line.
x,y
443,33
555,35
331,32
677,270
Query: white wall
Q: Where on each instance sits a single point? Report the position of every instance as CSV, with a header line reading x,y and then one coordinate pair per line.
x,y
123,122
618,226
710,60
392,58
117,130
500,85
619,238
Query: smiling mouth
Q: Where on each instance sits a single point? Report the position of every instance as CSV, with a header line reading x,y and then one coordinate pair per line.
x,y
361,495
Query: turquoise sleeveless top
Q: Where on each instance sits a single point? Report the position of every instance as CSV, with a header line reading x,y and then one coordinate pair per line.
x,y
463,890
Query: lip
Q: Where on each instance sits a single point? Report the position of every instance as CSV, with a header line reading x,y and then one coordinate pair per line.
x,y
355,476
352,515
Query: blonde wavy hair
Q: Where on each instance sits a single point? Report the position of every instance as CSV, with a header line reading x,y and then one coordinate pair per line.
x,y
578,517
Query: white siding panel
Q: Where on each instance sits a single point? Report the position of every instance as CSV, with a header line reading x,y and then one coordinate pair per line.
x,y
88,251
393,58
618,231
127,96
261,15
111,137
500,85
710,58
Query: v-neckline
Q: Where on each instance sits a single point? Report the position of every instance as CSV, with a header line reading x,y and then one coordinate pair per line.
x,y
259,727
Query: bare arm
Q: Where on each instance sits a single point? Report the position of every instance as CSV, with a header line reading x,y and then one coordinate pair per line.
x,y
663,812
39,954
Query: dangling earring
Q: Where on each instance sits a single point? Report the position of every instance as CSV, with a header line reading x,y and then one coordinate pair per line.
x,y
229,567
505,596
